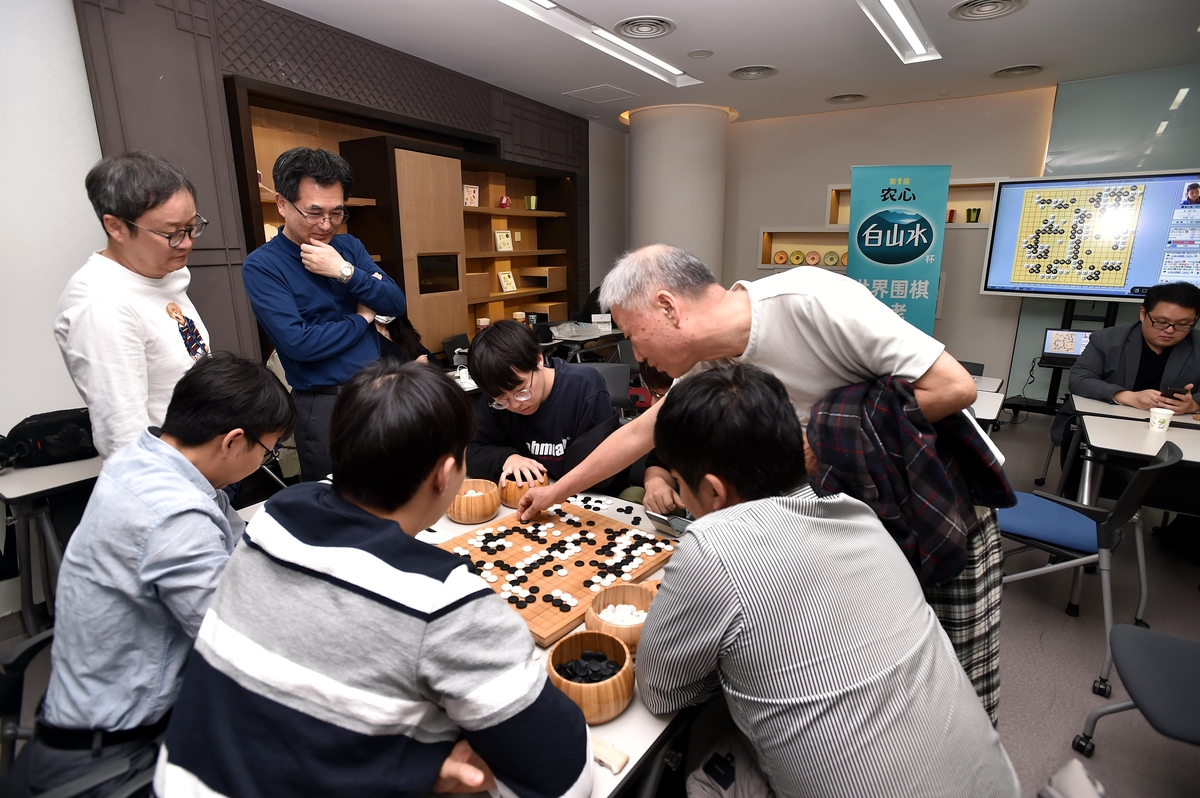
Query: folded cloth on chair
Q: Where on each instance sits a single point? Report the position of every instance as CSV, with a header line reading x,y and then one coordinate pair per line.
x,y
871,441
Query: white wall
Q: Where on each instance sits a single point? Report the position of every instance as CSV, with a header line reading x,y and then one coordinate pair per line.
x,y
607,198
47,143
778,170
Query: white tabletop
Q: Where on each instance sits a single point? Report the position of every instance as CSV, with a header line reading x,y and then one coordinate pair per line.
x,y
20,483
635,730
987,405
1094,407
988,383
1130,436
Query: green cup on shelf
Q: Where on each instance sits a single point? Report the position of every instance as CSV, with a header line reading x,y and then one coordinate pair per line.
x,y
973,215
531,202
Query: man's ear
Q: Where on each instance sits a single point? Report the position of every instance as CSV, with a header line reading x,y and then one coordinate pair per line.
x,y
115,228
668,304
234,436
718,492
441,474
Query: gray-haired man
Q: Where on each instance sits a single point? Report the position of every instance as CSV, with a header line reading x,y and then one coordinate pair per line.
x,y
816,331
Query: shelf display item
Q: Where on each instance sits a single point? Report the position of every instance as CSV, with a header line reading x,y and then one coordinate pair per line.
x,y
507,282
505,202
797,258
832,258
780,257
504,241
812,258
845,258
470,196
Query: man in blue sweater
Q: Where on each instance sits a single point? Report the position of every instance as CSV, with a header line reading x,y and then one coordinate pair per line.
x,y
317,293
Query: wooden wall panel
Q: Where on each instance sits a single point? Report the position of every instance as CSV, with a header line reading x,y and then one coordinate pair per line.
x,y
429,189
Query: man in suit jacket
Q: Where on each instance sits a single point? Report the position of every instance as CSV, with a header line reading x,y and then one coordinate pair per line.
x,y
1133,364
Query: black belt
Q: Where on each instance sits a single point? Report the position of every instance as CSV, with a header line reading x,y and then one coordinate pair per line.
x,y
94,739
324,390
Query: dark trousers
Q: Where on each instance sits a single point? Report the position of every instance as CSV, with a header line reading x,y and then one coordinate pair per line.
x,y
313,411
51,767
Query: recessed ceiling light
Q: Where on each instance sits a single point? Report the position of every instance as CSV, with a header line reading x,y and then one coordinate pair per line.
x,y
757,72
1178,99
639,52
700,53
1161,127
844,99
977,10
899,25
1019,71
644,27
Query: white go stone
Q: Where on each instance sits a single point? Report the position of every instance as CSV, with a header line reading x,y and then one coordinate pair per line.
x,y
556,593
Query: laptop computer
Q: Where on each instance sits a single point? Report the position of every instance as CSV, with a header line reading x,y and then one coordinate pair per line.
x,y
1061,348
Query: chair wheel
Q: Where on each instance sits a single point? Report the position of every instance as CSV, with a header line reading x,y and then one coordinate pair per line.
x,y
1102,687
1073,610
1084,745
1039,481
1141,623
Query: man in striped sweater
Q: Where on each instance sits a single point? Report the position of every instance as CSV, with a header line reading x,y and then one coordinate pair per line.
x,y
804,613
341,656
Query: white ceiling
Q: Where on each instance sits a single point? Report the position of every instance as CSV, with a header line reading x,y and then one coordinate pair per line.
x,y
821,48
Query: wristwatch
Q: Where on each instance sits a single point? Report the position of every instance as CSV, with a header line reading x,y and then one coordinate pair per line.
x,y
346,273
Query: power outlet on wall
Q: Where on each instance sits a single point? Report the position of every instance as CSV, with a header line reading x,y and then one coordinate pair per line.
x,y
516,235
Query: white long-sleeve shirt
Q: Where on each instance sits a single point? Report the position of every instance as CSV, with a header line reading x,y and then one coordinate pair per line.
x,y
126,340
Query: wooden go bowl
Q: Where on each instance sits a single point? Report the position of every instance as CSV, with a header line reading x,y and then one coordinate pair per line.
x,y
511,493
475,509
639,596
601,701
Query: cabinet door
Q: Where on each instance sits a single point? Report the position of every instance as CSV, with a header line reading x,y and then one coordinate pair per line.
x,y
429,194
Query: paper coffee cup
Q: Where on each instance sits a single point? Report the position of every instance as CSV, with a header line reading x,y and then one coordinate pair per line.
x,y
1160,418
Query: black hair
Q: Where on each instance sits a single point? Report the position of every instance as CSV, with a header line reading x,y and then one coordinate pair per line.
x,y
498,353
224,392
1185,295
390,426
128,185
654,380
323,166
737,423
405,336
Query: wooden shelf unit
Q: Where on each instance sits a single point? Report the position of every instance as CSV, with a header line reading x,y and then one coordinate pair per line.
x,y
802,239
514,212
268,195
970,193
516,253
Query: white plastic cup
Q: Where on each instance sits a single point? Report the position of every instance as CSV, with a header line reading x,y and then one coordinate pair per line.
x,y
1160,418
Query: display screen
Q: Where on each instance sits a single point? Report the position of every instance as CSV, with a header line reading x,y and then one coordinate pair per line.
x,y
1097,237
437,273
1065,342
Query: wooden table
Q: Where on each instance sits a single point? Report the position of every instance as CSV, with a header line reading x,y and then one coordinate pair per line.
x,y
26,490
635,731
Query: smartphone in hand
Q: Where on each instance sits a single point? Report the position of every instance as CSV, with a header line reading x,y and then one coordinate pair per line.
x,y
1174,393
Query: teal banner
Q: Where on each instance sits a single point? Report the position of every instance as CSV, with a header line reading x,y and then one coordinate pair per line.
x,y
897,222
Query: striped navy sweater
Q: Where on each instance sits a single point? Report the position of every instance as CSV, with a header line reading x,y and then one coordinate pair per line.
x,y
341,656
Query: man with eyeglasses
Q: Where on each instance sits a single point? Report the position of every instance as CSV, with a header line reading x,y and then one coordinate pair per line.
x,y
125,325
317,292
140,570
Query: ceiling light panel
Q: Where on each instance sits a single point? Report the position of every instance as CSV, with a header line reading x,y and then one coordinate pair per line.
x,y
1178,100
901,28
606,42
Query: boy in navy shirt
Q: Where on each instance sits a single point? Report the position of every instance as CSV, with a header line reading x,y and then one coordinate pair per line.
x,y
532,413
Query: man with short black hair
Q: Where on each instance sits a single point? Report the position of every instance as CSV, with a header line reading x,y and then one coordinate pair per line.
x,y
126,327
342,656
530,412
317,292
141,568
804,613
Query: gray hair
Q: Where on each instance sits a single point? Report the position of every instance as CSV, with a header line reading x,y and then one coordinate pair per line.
x,y
641,272
126,186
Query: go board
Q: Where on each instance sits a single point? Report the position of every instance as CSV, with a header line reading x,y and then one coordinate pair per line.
x,y
570,550
1077,236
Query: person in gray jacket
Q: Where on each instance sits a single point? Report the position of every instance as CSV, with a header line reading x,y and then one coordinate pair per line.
x,y
1135,363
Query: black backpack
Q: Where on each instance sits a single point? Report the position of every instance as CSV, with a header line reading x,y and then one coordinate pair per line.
x,y
47,439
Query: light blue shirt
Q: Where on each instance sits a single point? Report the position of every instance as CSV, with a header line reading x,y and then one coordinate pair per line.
x,y
136,579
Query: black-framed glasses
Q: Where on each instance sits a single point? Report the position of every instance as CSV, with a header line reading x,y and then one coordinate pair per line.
x,y
269,455
335,217
523,395
174,239
1163,325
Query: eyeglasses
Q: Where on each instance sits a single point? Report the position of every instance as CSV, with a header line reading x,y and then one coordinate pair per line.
x,y
175,239
1162,325
269,455
523,395
334,217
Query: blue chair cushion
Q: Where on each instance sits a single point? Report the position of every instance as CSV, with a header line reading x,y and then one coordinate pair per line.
x,y
1041,519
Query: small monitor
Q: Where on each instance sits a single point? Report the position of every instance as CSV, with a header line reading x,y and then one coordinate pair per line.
x,y
437,273
1065,343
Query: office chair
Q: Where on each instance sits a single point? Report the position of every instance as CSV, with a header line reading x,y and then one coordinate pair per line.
x,y
626,356
1076,535
616,376
1160,673
974,369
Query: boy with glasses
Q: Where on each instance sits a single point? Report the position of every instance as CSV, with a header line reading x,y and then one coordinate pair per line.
x,y
317,292
141,568
126,326
531,412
